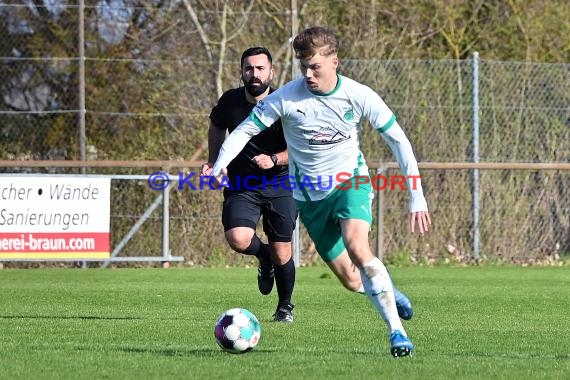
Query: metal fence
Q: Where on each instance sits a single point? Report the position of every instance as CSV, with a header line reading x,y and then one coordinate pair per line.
x,y
87,101
522,116
76,85
527,225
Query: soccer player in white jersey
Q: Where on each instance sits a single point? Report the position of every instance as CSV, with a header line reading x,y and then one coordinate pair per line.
x,y
320,114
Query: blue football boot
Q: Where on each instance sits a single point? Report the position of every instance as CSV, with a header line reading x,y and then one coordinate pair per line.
x,y
403,305
400,345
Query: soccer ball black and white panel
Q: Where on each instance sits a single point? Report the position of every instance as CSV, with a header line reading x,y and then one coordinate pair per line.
x,y
237,331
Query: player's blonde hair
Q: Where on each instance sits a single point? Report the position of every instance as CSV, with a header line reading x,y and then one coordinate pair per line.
x,y
316,39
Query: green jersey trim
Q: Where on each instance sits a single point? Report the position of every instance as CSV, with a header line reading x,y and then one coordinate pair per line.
x,y
360,163
388,124
300,185
257,122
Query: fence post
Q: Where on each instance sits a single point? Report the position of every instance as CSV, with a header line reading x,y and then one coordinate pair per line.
x,y
379,218
295,73
81,89
297,244
166,226
476,184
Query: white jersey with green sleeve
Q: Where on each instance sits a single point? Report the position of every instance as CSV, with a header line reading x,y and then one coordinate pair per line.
x,y
321,131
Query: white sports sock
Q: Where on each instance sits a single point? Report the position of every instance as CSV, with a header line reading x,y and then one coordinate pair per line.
x,y
378,288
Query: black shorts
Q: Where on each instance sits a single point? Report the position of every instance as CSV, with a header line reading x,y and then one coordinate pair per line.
x,y
245,208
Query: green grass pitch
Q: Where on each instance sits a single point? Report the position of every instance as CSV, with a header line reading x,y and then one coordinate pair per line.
x,y
469,323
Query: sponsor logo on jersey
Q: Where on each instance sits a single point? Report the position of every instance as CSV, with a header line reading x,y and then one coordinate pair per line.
x,y
327,136
260,106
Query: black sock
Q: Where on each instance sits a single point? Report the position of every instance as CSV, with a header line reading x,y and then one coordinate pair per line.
x,y
258,249
285,281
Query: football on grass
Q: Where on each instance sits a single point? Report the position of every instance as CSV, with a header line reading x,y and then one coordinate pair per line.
x,y
237,331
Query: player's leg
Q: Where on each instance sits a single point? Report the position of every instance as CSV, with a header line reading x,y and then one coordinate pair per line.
x,y
376,281
349,276
352,210
346,272
279,217
240,214
321,219
403,304
284,281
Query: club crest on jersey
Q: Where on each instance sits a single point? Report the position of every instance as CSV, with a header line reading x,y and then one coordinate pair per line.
x,y
348,114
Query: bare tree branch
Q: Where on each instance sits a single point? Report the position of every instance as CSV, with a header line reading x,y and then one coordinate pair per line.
x,y
201,32
243,21
222,53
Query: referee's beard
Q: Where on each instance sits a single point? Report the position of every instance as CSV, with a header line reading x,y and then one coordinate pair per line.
x,y
256,87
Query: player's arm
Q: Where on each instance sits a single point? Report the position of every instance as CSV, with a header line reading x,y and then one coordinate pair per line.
x,y
401,147
384,121
268,161
235,142
216,136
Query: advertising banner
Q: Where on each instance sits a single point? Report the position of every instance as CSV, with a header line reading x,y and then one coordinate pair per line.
x,y
55,218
